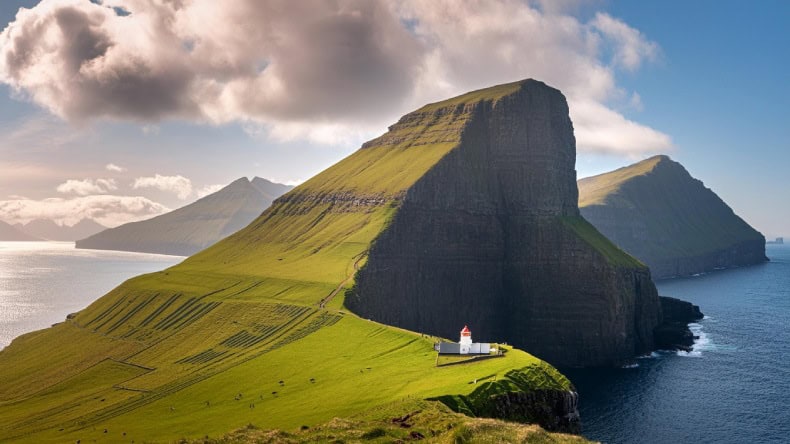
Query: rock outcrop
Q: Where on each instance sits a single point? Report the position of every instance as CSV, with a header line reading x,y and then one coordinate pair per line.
x,y
193,227
674,333
491,236
520,397
656,211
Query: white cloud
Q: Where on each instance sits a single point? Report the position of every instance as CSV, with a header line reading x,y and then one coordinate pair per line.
x,y
108,210
630,46
114,167
87,186
329,72
604,130
208,189
178,185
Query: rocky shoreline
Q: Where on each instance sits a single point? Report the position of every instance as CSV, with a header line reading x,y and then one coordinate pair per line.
x,y
674,333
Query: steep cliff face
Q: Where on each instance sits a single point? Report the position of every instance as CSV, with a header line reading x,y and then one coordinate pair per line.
x,y
659,213
674,332
491,236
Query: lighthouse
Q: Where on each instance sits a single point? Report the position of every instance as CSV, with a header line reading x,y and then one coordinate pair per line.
x,y
465,346
466,340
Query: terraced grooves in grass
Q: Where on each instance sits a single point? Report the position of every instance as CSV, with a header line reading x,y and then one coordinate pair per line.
x,y
187,323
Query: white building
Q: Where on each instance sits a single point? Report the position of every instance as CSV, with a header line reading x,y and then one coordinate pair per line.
x,y
465,346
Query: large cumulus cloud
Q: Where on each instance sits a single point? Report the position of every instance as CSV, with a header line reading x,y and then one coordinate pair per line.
x,y
317,69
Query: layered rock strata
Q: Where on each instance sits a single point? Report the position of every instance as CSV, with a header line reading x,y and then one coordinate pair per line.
x,y
491,236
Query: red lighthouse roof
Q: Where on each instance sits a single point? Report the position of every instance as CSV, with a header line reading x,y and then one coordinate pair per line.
x,y
466,331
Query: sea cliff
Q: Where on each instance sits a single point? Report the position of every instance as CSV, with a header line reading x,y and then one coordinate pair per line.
x,y
491,236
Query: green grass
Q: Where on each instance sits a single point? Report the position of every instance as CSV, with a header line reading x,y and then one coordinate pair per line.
x,y
402,421
493,94
611,252
166,355
330,364
600,189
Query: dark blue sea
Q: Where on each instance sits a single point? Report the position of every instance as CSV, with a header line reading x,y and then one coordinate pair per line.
x,y
733,388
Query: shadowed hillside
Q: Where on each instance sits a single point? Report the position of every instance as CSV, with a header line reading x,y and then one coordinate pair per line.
x,y
659,213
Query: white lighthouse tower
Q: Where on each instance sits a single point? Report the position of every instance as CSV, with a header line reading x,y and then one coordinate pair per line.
x,y
466,340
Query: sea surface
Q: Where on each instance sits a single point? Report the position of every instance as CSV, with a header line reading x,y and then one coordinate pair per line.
x,y
42,282
734,387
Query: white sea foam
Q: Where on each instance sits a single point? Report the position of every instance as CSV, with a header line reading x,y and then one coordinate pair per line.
x,y
634,365
701,343
651,355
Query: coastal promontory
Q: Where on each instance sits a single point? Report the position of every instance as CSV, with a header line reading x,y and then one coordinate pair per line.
x,y
656,211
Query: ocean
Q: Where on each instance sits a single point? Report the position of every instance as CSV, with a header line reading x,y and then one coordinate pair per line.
x,y
42,282
730,389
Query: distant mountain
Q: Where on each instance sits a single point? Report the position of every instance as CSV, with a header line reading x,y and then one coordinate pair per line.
x,y
656,211
269,189
196,226
9,232
46,229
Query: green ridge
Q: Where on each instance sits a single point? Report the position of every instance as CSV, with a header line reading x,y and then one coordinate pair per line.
x,y
675,215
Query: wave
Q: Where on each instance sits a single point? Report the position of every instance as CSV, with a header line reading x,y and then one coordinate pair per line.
x,y
701,342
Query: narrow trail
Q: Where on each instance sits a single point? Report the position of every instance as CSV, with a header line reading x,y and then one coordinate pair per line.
x,y
322,303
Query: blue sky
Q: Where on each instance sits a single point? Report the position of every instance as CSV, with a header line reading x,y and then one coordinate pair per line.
x,y
703,81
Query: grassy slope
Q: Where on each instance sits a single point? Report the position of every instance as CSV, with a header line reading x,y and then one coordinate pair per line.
x,y
611,252
682,217
604,188
430,419
241,316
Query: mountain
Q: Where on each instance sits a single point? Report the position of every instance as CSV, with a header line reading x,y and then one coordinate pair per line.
x,y
194,227
47,229
270,190
659,213
9,232
464,213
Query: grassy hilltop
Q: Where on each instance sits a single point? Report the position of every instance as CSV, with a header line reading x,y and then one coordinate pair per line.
x,y
252,330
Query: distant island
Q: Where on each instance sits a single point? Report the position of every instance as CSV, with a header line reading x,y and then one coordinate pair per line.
x,y
656,211
49,230
778,241
193,227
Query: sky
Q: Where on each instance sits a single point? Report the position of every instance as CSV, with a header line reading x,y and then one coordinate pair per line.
x,y
120,110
